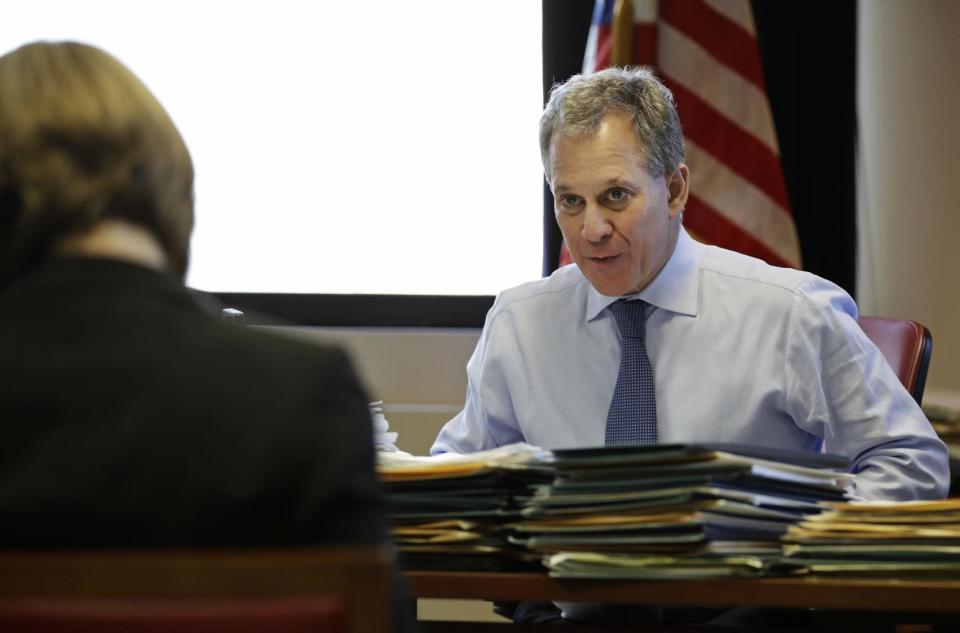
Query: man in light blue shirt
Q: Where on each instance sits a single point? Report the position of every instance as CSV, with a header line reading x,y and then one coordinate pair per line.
x,y
741,351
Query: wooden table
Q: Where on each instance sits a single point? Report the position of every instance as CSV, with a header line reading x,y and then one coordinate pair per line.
x,y
915,597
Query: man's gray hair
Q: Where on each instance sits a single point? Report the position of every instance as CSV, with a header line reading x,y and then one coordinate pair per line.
x,y
579,105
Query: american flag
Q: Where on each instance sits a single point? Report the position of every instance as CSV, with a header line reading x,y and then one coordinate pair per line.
x,y
706,52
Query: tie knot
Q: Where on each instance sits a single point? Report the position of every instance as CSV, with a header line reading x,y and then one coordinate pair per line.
x,y
631,316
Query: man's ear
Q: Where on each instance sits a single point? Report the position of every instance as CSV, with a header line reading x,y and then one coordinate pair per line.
x,y
678,186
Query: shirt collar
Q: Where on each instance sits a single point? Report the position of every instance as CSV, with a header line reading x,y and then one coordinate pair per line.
x,y
675,288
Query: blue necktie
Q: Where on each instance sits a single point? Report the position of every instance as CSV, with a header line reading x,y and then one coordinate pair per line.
x,y
632,418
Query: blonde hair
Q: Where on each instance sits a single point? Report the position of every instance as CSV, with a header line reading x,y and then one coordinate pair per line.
x,y
83,140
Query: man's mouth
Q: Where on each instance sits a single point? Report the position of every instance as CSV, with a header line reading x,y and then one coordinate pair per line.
x,y
603,260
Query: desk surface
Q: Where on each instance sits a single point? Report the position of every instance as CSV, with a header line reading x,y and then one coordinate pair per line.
x,y
871,595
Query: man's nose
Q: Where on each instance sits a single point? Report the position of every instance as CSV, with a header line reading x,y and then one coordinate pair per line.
x,y
596,226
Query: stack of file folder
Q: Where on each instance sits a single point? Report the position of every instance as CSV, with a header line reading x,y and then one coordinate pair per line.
x,y
871,539
449,512
673,511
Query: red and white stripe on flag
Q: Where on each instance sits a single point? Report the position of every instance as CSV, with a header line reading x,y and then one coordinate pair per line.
x,y
706,52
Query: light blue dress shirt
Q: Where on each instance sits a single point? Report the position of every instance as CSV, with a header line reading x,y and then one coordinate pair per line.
x,y
741,351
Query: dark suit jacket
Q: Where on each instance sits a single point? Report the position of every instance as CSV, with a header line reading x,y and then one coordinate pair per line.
x,y
131,417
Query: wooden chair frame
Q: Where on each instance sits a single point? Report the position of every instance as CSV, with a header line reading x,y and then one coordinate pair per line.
x,y
359,576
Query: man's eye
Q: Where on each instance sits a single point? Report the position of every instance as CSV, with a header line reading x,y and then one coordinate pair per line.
x,y
569,201
617,195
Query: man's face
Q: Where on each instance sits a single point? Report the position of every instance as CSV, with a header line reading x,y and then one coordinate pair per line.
x,y
620,222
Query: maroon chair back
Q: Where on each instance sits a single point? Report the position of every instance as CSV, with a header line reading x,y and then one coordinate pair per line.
x,y
906,345
319,614
319,589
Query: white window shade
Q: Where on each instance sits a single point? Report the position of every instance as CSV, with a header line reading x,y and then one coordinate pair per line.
x,y
340,147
